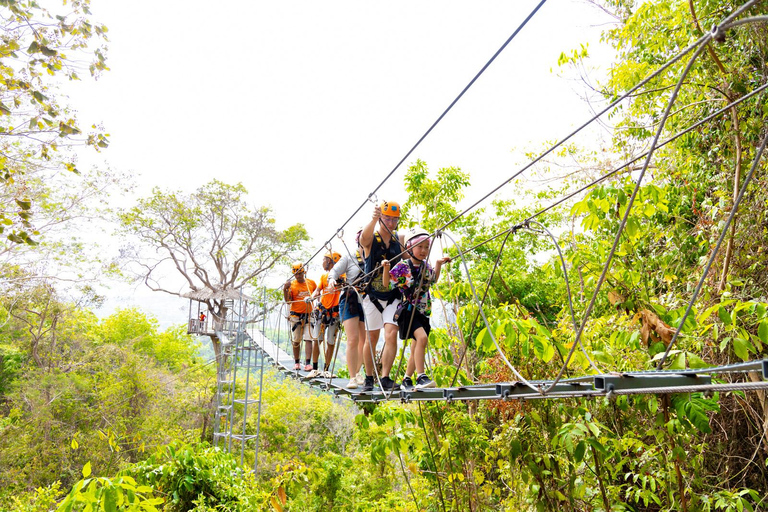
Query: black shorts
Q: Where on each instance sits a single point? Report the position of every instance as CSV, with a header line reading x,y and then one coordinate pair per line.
x,y
419,320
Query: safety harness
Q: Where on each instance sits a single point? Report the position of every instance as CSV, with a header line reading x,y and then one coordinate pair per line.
x,y
372,283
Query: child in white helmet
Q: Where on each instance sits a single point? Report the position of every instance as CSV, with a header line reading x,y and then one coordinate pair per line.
x,y
413,276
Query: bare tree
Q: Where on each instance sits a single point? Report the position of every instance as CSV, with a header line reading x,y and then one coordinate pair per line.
x,y
212,238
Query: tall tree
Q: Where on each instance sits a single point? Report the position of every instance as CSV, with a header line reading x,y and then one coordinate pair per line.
x,y
39,48
212,238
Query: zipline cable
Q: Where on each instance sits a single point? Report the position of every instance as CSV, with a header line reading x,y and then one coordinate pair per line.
x,y
630,202
712,257
604,177
702,40
567,289
702,45
440,118
485,319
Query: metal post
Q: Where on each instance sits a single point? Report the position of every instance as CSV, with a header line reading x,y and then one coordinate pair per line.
x,y
233,389
260,354
245,406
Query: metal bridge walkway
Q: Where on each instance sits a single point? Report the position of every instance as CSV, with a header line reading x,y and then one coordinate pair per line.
x,y
615,383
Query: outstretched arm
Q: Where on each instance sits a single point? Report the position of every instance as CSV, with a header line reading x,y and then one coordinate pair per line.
x,y
366,237
438,265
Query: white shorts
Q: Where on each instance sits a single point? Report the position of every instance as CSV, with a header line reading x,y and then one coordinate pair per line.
x,y
330,332
299,331
374,319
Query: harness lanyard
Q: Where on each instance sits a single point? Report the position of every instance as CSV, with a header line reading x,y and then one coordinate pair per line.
x,y
383,255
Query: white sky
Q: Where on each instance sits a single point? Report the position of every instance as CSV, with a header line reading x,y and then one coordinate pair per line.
x,y
310,104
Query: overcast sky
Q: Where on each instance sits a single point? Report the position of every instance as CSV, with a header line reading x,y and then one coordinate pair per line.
x,y
310,104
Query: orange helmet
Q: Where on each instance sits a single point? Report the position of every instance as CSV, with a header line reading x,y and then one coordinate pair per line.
x,y
334,256
390,209
297,268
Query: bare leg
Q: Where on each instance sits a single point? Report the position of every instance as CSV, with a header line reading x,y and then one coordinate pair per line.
x,y
390,348
411,365
296,351
360,345
307,349
419,349
328,354
370,346
295,340
315,350
351,327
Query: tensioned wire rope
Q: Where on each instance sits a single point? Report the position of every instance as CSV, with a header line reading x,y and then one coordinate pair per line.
x,y
702,45
703,40
699,43
660,70
533,162
613,172
604,177
713,256
438,120
531,218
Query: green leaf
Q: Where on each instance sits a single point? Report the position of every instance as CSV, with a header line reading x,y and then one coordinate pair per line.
x,y
632,227
484,339
742,348
578,452
725,317
87,470
110,499
695,361
762,331
678,363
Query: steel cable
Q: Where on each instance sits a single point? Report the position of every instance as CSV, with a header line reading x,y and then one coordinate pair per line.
x,y
440,118
713,256
628,210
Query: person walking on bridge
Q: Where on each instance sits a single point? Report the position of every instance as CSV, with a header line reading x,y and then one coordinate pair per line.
x,y
297,293
327,323
412,277
348,272
380,301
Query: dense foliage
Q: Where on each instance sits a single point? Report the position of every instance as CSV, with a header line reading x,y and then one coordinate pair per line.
x,y
115,414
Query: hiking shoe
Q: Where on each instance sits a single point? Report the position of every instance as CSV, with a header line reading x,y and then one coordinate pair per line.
x,y
407,384
424,382
352,384
297,366
388,384
368,384
307,367
313,374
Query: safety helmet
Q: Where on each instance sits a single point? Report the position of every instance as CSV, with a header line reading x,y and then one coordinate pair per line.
x,y
297,268
390,209
357,236
415,236
334,256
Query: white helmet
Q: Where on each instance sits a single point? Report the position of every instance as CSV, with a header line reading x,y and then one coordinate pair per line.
x,y
415,236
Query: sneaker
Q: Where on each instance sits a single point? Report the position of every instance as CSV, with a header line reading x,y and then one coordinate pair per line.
x,y
297,366
307,367
388,384
352,384
328,375
424,382
368,384
407,384
313,374
360,377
